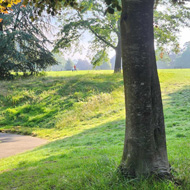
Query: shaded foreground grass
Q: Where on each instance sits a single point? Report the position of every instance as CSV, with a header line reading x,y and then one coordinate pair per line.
x,y
88,156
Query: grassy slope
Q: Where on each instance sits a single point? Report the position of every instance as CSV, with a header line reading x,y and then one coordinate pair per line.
x,y
60,104
87,109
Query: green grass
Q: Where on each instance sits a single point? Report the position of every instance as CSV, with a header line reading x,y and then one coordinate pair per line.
x,y
82,113
61,103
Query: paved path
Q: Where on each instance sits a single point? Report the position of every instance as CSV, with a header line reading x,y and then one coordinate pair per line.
x,y
11,144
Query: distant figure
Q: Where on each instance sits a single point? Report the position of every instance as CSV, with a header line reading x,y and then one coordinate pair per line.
x,y
74,68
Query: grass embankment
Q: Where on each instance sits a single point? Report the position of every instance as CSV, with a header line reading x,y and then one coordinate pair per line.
x,y
86,109
60,104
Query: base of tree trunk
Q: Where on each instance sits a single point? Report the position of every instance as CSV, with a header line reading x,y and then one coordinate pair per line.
x,y
117,70
152,176
125,172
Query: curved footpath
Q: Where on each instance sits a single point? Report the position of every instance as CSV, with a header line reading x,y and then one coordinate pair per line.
x,y
11,144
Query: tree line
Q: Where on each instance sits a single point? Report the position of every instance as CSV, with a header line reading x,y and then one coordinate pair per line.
x,y
173,60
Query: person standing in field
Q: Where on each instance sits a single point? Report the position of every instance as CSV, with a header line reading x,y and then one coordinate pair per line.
x,y
74,68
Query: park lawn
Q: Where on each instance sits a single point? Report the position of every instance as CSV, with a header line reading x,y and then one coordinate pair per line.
x,y
82,115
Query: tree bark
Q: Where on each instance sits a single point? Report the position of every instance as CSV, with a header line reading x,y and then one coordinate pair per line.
x,y
145,150
117,68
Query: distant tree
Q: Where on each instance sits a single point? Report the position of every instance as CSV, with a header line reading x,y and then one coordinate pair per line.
x,y
60,66
60,59
174,60
69,65
83,65
162,59
183,59
22,43
112,61
104,66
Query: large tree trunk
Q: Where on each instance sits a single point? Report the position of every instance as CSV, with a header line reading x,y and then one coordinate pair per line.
x,y
145,150
117,68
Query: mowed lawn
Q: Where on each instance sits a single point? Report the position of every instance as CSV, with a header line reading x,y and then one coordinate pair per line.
x,y
82,115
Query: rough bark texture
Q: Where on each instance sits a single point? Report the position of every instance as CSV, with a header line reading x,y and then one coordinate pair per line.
x,y
117,68
145,150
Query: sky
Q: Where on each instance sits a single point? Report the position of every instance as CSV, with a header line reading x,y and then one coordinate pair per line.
x,y
185,35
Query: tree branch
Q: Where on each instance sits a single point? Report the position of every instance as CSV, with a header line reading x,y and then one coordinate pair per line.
x,y
101,38
98,36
